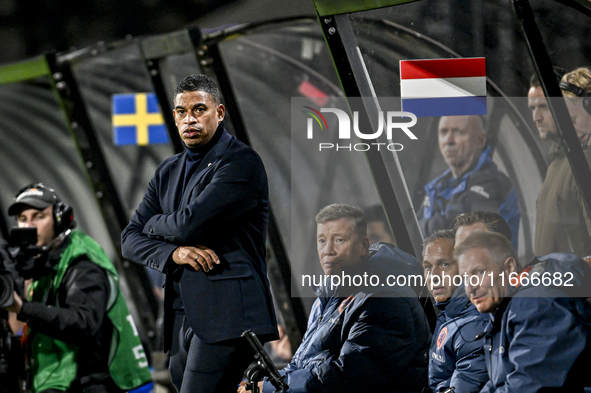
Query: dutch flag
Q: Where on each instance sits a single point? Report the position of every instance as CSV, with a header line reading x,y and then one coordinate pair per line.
x,y
443,87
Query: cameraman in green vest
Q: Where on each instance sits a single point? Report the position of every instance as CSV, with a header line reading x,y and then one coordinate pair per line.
x,y
79,336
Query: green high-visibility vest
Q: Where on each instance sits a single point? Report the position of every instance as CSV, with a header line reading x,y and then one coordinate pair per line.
x,y
53,362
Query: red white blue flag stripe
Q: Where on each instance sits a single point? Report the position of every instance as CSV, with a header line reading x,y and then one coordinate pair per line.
x,y
443,87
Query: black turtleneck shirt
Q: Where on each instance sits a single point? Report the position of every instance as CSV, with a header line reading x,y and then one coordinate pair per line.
x,y
194,158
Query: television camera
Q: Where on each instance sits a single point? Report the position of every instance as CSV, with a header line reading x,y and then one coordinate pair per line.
x,y
21,248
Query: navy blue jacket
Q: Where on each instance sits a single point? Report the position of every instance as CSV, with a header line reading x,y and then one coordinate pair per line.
x,y
482,188
224,207
540,338
456,358
364,341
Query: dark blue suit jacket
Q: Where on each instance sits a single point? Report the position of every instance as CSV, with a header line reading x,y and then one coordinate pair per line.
x,y
364,338
224,207
539,337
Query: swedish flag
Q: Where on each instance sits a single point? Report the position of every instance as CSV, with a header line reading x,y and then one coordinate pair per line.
x,y
137,120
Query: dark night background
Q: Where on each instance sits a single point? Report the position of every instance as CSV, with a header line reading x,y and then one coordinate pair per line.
x,y
34,27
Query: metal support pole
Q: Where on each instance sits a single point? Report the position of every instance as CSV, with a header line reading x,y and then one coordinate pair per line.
x,y
389,179
155,70
143,298
385,166
558,108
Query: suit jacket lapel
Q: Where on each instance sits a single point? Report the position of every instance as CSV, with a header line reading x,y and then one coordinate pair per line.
x,y
208,162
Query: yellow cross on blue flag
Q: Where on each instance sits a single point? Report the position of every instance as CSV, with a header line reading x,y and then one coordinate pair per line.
x,y
137,120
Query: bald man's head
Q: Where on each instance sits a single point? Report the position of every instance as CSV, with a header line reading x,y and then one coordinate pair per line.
x,y
461,141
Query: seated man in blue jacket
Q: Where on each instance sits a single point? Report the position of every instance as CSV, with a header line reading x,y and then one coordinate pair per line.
x,y
360,339
466,223
472,180
456,357
539,335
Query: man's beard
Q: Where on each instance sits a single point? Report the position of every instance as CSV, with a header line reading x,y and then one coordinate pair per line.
x,y
552,136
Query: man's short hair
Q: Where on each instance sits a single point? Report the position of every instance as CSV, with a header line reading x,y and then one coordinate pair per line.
x,y
338,210
581,77
534,81
497,245
199,82
494,222
439,234
480,124
375,213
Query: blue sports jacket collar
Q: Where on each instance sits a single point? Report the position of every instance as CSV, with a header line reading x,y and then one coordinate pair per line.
x,y
442,185
456,305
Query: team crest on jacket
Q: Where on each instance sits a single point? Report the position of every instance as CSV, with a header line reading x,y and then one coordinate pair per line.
x,y
344,304
441,338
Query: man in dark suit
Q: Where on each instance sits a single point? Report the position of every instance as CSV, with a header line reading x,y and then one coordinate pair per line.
x,y
203,223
